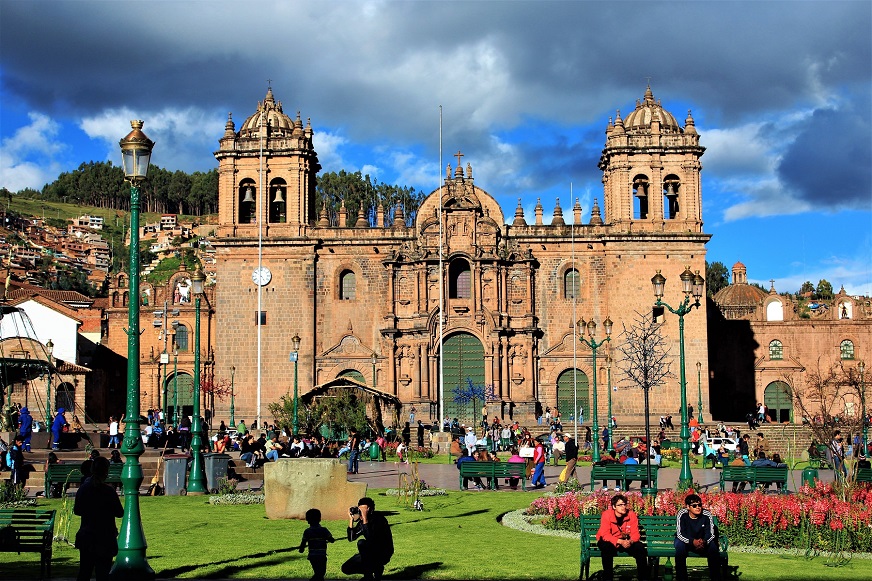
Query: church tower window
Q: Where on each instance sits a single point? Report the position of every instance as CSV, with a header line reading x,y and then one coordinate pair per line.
x,y
847,349
670,197
571,284
182,338
247,203
460,280
640,197
347,286
278,203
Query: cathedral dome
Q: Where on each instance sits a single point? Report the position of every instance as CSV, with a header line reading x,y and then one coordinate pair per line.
x,y
648,110
739,295
271,115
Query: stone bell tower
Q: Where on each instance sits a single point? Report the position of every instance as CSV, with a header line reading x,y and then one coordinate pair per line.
x,y
266,174
651,171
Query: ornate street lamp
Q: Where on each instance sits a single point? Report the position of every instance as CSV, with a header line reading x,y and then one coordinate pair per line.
x,y
862,367
690,285
175,387
131,564
699,391
295,353
197,479
609,385
49,348
232,399
592,343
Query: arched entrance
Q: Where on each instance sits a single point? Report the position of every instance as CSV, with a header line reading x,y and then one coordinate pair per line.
x,y
180,393
353,374
65,397
463,366
777,398
567,383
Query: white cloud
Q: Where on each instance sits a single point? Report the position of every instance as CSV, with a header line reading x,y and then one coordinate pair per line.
x,y
28,159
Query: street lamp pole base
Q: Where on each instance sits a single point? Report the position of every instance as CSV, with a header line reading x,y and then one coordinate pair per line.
x,y
648,491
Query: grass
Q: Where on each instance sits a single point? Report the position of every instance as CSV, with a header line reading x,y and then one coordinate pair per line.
x,y
457,537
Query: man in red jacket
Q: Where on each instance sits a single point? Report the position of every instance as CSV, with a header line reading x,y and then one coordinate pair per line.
x,y
619,532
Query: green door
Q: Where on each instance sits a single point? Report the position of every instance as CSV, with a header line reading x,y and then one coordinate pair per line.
x,y
185,395
464,362
776,397
567,383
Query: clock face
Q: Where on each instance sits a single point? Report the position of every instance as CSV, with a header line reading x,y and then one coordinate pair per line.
x,y
261,276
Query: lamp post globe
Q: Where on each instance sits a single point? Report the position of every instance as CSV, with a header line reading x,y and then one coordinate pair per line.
x,y
197,479
131,563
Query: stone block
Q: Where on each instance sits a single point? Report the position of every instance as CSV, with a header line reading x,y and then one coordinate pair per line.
x,y
294,485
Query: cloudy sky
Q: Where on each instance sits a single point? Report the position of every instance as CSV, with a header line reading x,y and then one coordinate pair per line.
x,y
780,92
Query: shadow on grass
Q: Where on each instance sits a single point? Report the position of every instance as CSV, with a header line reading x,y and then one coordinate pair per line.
x,y
427,517
414,571
269,558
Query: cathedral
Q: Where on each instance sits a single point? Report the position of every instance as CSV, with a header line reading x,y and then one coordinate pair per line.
x,y
461,291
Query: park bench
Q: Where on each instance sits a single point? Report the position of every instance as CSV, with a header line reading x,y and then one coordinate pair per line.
x,y
623,473
755,475
69,474
864,475
28,530
494,471
657,534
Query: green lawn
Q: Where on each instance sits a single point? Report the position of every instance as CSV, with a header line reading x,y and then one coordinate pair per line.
x,y
456,537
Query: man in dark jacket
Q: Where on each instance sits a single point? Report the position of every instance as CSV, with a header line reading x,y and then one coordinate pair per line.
x,y
98,505
375,548
695,532
571,450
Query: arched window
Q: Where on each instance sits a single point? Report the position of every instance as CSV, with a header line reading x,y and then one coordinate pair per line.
x,y
774,311
353,374
347,286
670,197
571,284
776,350
247,196
847,349
182,338
278,193
640,197
65,397
460,286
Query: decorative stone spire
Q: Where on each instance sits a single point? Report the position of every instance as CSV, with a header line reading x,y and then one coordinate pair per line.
x,y
619,123
324,218
380,215
468,170
557,218
343,215
689,125
399,217
772,290
538,211
229,127
576,213
361,217
519,215
595,218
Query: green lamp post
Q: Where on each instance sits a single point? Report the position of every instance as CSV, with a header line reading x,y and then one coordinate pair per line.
x,y
592,343
690,285
131,563
197,479
862,367
175,387
699,391
49,348
609,384
232,399
295,352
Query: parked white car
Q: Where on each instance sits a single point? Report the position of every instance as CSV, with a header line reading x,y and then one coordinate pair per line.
x,y
730,445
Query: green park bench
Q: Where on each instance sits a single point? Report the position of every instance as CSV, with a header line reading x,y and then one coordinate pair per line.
x,y
28,530
755,475
657,534
864,475
494,471
69,474
623,473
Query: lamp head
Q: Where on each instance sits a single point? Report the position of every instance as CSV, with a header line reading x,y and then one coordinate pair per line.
x,y
49,347
374,357
686,281
591,328
197,280
136,153
698,366
607,325
580,326
658,281
295,343
698,286
862,367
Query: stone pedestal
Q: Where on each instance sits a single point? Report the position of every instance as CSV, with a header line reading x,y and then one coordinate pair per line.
x,y
441,442
294,485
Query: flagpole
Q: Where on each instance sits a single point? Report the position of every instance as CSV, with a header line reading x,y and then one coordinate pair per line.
x,y
441,292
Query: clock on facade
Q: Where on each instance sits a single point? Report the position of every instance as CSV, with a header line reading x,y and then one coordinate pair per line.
x,y
261,276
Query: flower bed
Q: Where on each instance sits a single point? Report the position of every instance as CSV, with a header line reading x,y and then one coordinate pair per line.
x,y
814,518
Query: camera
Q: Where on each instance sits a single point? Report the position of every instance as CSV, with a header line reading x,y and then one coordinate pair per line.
x,y
353,510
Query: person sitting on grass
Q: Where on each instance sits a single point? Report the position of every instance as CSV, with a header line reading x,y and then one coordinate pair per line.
x,y
317,538
619,532
695,532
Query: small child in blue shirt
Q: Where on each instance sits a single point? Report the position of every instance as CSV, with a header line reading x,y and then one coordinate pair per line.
x,y
317,538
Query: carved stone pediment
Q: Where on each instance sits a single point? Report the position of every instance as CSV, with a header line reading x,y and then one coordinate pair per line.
x,y
348,346
564,348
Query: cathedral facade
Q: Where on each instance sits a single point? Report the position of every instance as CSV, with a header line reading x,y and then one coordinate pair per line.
x,y
461,291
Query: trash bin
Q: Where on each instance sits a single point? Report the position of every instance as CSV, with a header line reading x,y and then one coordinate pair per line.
x,y
175,473
216,470
809,475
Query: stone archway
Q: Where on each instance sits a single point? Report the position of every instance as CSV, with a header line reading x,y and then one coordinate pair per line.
x,y
567,383
777,398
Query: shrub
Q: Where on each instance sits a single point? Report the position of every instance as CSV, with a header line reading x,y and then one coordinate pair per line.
x,y
236,499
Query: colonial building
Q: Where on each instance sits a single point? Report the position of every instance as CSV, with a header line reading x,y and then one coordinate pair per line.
x,y
365,297
761,345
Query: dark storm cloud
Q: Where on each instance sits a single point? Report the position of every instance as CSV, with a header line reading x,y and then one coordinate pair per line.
x,y
830,162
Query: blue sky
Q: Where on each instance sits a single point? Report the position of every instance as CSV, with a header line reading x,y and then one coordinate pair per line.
x,y
780,93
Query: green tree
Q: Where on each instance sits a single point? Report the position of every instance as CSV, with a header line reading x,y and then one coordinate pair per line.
x,y
358,190
806,287
824,289
716,277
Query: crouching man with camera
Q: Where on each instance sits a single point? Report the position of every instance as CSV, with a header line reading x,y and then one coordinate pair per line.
x,y
375,548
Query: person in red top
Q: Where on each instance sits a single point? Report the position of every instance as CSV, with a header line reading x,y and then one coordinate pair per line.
x,y
538,480
619,532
